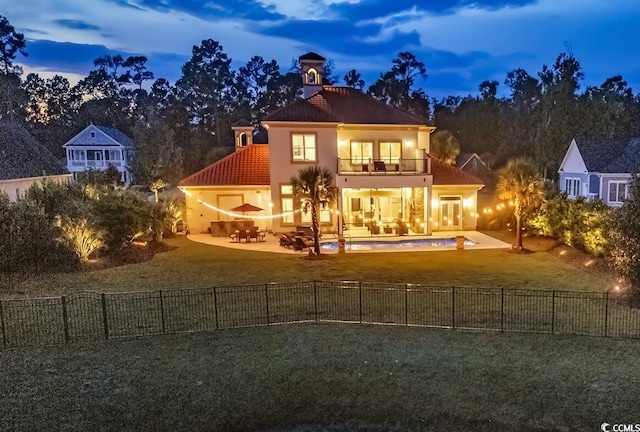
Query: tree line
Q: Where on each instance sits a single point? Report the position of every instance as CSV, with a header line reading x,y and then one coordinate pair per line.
x,y
180,127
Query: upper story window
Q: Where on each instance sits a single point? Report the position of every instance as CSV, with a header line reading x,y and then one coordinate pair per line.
x,y
361,152
303,147
390,152
93,134
572,187
618,191
312,76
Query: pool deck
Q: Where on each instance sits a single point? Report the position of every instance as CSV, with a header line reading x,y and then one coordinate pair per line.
x,y
272,243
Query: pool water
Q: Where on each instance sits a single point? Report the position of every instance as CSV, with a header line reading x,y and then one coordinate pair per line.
x,y
364,245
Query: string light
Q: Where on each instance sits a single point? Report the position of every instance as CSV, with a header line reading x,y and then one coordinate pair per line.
x,y
238,215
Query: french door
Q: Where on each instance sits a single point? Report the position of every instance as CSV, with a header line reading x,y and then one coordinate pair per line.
x,y
450,217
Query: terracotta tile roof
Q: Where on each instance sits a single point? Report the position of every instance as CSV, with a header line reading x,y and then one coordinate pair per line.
x,y
445,174
247,166
343,105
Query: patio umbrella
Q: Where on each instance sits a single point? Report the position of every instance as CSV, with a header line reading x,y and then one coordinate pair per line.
x,y
246,207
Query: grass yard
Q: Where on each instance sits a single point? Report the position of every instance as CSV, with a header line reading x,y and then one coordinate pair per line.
x,y
321,377
195,265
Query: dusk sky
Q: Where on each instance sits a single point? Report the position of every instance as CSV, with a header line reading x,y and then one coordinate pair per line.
x,y
461,42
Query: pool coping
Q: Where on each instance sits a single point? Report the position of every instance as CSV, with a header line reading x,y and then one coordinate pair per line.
x,y
272,244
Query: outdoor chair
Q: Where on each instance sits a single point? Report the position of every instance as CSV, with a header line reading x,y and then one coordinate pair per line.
x,y
287,241
379,166
302,244
253,234
262,234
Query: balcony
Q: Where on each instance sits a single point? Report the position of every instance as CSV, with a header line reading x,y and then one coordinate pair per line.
x,y
392,167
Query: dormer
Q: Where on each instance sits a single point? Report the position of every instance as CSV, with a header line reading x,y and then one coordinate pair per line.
x,y
243,133
311,66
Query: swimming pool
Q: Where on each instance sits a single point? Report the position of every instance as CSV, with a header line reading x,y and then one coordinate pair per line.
x,y
366,245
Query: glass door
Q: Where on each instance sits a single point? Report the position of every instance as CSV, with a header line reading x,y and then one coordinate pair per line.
x,y
450,213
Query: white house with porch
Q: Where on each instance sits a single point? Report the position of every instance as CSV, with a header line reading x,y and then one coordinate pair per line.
x,y
98,148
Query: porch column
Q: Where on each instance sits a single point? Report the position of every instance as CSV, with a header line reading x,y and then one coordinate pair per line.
x,y
428,209
340,221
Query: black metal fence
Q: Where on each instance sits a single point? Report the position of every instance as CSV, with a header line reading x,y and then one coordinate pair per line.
x,y
90,316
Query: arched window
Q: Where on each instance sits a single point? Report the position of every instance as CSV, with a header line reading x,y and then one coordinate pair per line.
x,y
312,76
243,139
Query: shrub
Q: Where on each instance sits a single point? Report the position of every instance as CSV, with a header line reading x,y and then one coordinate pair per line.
x,y
123,216
577,223
625,238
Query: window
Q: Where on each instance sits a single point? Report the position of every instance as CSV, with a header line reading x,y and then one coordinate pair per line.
x,y
112,155
94,155
77,155
572,186
617,191
361,152
93,134
286,194
303,147
312,76
325,215
390,152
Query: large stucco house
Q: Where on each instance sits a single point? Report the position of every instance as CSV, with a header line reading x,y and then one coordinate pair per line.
x,y
379,155
98,148
600,169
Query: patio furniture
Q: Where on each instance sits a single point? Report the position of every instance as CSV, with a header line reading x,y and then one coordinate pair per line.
x,y
302,244
239,235
379,166
388,229
261,235
401,228
286,241
253,234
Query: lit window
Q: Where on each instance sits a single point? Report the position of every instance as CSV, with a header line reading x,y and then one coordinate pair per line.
x,y
390,152
312,76
286,190
617,191
303,147
361,152
325,215
287,207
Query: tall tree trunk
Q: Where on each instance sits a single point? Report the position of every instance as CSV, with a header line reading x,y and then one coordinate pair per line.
x,y
316,228
519,232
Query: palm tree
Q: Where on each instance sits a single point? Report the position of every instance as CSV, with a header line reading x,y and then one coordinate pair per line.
x,y
314,188
520,182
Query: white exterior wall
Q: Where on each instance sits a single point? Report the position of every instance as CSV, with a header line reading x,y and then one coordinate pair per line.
x,y
200,216
17,187
468,196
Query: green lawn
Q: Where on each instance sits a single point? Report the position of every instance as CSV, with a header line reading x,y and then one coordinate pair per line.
x,y
317,377
194,265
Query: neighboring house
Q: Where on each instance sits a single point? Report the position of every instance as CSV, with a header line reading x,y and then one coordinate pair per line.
x,y
600,169
98,148
24,161
379,155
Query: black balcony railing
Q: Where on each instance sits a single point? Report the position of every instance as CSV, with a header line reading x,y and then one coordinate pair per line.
x,y
391,166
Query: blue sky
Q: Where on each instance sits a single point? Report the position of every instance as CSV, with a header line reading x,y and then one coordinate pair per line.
x,y
462,42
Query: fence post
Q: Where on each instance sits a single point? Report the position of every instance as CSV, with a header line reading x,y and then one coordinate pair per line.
x,y
406,305
215,305
360,291
315,300
266,297
606,313
553,312
65,319
453,307
162,311
105,320
502,309
4,332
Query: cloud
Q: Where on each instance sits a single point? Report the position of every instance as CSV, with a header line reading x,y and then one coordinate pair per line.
x,y
75,24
